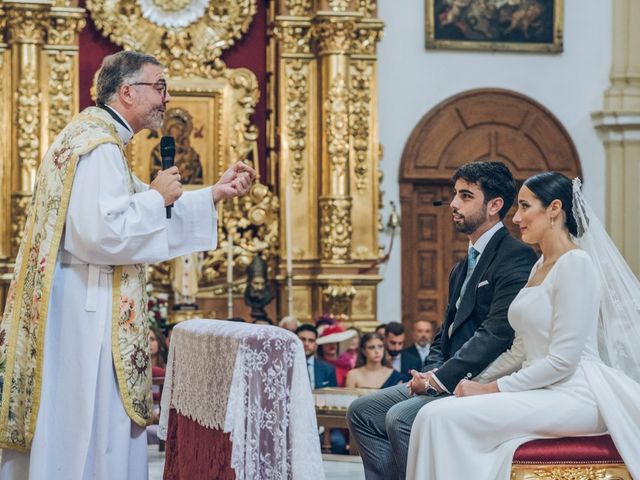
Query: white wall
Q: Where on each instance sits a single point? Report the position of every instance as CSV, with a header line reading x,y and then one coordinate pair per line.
x,y
412,80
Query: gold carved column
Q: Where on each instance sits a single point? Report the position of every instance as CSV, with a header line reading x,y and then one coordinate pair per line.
x,y
5,146
62,66
26,32
324,143
38,95
619,125
333,33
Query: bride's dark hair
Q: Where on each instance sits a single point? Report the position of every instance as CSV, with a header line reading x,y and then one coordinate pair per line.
x,y
550,186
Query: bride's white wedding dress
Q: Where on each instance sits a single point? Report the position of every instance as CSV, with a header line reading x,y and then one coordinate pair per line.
x,y
552,384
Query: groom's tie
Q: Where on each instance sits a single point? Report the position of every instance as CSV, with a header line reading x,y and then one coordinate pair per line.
x,y
472,259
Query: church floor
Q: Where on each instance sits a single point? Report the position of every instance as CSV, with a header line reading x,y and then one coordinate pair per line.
x,y
336,467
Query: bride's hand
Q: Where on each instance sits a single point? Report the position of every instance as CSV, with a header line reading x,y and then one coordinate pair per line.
x,y
466,388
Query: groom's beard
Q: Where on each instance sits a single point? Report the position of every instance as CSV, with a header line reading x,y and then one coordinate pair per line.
x,y
394,353
470,223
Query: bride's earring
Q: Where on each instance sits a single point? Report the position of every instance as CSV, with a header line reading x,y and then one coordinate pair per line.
x,y
553,220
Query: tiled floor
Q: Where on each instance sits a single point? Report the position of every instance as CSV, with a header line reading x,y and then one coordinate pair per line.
x,y
336,467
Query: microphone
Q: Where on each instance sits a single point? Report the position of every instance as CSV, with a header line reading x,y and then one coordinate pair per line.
x,y
439,203
167,152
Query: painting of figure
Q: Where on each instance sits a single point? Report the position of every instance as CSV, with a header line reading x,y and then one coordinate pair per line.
x,y
515,25
178,123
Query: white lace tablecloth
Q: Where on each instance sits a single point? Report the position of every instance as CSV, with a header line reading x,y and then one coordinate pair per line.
x,y
250,381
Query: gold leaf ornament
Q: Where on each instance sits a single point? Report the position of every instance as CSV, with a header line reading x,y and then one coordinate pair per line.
x,y
188,36
172,13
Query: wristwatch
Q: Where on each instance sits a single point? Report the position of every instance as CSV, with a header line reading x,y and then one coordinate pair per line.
x,y
430,389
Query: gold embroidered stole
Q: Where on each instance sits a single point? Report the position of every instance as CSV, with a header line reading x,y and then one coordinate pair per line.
x,y
23,322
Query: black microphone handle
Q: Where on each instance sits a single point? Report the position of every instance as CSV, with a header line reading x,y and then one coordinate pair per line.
x,y
167,153
167,162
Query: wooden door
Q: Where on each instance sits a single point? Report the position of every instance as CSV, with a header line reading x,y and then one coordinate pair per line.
x,y
436,246
487,124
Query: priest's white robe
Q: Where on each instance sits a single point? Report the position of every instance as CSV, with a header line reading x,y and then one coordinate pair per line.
x,y
82,430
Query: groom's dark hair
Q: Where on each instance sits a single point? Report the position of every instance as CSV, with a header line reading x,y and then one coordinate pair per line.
x,y
493,178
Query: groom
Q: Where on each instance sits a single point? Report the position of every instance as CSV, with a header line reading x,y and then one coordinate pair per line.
x,y
475,330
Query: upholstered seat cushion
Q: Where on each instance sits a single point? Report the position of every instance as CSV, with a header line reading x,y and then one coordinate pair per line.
x,y
596,449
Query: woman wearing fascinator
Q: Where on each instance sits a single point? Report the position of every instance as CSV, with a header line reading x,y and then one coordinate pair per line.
x,y
577,329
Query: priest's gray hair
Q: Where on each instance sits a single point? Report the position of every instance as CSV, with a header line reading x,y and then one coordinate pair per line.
x,y
117,69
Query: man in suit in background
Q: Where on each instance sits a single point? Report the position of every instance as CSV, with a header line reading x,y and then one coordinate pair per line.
x,y
321,374
475,329
401,361
416,354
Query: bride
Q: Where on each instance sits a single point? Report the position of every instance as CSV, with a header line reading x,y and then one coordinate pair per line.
x,y
578,311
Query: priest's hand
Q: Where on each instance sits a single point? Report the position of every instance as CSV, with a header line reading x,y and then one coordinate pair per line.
x,y
235,182
167,183
466,388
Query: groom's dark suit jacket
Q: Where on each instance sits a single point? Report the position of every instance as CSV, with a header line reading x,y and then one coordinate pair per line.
x,y
479,328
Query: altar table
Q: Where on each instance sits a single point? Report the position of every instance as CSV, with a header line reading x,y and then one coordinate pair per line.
x,y
237,404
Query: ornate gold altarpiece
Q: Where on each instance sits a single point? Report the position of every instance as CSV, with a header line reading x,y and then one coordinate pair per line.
x,y
321,131
38,96
324,133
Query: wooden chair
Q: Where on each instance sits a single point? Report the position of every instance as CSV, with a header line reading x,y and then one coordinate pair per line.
x,y
331,412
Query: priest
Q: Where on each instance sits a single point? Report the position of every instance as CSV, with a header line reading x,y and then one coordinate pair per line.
x,y
74,358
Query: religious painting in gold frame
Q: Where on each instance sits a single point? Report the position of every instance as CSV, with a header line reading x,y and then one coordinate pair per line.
x,y
495,25
194,118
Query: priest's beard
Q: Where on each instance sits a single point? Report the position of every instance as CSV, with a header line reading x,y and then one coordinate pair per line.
x,y
154,118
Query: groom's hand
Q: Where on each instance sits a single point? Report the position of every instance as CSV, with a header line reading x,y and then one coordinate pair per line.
x,y
419,381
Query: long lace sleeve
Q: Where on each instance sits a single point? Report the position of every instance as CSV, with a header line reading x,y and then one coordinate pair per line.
x,y
575,301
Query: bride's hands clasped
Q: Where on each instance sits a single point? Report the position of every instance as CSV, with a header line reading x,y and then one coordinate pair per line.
x,y
467,388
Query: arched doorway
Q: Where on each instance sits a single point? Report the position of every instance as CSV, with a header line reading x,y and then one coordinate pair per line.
x,y
485,124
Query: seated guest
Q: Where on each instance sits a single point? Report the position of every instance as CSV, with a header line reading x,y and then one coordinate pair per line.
x,y
350,355
372,370
413,357
329,340
321,375
324,321
290,323
158,356
394,344
157,347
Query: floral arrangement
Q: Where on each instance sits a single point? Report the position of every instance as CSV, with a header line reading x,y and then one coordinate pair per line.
x,y
157,308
